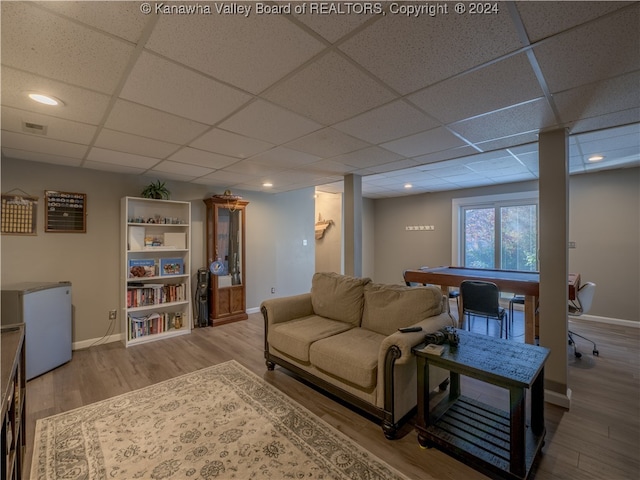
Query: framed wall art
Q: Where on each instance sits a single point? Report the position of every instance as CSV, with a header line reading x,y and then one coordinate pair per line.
x,y
19,214
65,212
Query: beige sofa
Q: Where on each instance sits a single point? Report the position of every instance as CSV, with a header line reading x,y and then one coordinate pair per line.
x,y
343,337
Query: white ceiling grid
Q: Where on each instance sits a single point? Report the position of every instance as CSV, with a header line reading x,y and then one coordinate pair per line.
x,y
231,101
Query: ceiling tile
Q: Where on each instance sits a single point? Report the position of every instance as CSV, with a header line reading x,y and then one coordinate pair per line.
x,y
450,168
126,142
584,55
444,155
41,157
598,98
144,121
56,128
327,142
543,19
120,158
255,169
465,41
80,105
223,177
229,143
35,143
624,117
120,19
250,52
177,177
392,166
509,141
329,90
498,166
367,157
202,158
282,157
489,88
389,122
423,143
182,169
114,168
530,160
330,167
269,123
164,85
526,117
331,27
58,47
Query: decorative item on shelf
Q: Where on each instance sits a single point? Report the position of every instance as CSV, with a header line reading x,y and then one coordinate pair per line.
x,y
321,226
232,200
157,190
217,267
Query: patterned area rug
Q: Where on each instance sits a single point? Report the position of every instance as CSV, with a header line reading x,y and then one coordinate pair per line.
x,y
222,422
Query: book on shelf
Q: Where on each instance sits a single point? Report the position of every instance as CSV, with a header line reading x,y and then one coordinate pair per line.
x,y
171,266
154,323
145,294
142,267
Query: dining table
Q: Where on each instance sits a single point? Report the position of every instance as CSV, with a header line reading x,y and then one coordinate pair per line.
x,y
517,282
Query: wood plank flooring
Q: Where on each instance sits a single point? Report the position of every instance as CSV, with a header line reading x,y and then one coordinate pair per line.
x,y
598,438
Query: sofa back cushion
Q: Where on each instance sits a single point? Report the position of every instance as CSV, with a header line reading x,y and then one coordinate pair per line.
x,y
389,307
338,297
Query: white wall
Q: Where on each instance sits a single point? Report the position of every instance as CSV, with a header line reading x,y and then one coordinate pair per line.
x,y
604,216
329,247
604,222
276,226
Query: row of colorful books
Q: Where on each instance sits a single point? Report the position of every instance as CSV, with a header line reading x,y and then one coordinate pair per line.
x,y
148,267
143,294
153,324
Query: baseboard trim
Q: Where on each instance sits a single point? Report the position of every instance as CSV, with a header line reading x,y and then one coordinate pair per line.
x,y
253,310
116,337
608,320
558,399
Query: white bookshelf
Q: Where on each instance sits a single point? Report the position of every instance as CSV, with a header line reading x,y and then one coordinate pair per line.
x,y
155,268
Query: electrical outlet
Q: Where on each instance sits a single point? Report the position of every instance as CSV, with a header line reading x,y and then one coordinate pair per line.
x,y
112,314
273,289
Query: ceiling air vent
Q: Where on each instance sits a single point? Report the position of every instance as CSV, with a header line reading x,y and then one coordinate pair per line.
x,y
31,127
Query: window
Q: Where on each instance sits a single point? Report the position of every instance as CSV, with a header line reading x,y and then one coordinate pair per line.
x,y
499,231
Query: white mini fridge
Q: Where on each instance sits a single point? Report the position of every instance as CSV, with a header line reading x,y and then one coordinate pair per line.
x,y
45,309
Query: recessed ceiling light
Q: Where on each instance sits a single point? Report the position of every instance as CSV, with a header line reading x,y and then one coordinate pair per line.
x,y
595,158
408,185
267,184
45,99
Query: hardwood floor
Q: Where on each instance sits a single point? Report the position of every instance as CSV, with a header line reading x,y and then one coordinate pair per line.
x,y
598,438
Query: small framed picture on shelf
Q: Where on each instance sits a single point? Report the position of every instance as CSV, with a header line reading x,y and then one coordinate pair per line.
x,y
171,266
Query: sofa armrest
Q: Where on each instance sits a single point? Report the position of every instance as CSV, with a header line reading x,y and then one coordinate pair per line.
x,y
404,342
284,309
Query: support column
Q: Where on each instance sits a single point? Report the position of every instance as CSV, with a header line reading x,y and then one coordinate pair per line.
x,y
353,225
553,159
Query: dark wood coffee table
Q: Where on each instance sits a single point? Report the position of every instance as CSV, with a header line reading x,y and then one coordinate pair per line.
x,y
496,442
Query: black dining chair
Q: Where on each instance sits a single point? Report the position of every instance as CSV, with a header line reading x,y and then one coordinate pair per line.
x,y
481,299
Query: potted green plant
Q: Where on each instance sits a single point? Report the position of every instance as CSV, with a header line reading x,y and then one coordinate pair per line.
x,y
157,190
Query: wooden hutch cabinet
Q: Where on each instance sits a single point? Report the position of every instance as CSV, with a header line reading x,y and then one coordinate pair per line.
x,y
225,241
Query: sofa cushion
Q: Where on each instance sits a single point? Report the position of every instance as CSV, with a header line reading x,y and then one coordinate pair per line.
x,y
351,356
295,337
389,307
338,297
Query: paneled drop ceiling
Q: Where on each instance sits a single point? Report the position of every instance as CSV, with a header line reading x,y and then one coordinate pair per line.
x,y
296,100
